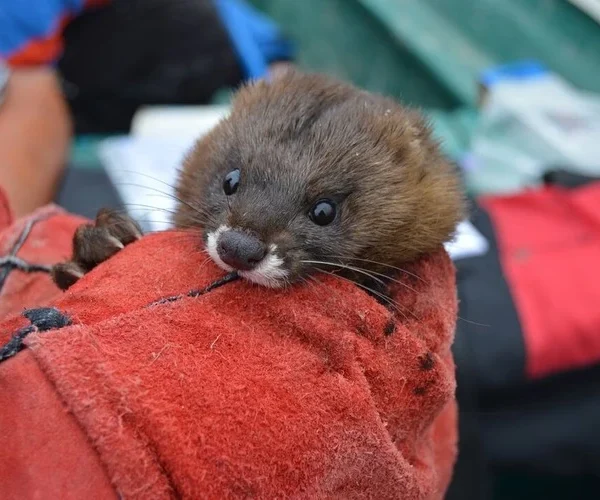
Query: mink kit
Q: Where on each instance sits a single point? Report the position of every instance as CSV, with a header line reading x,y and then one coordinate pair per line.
x,y
307,173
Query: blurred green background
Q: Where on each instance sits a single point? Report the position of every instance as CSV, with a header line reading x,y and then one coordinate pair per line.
x,y
430,53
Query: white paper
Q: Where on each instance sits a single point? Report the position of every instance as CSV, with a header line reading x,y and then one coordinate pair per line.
x,y
468,242
144,166
144,172
184,122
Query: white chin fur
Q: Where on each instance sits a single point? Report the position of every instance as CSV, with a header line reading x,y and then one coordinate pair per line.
x,y
269,271
211,247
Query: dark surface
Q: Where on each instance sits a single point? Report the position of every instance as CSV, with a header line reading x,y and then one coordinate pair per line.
x,y
472,479
561,177
85,191
539,427
488,318
512,484
132,53
519,439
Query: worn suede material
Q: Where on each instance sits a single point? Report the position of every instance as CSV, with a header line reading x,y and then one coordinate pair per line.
x,y
316,391
49,241
45,454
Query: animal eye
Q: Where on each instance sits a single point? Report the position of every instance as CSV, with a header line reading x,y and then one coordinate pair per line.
x,y
231,182
323,212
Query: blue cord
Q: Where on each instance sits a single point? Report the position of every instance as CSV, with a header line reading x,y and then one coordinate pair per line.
x,y
256,38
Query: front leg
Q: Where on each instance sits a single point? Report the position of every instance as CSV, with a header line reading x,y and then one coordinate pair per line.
x,y
95,243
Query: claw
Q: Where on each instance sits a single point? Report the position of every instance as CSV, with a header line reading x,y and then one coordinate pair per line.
x,y
94,244
66,274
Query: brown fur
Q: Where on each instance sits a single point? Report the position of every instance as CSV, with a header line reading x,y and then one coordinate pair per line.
x,y
296,140
304,137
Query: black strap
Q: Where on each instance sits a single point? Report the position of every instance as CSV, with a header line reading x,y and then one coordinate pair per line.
x,y
42,319
11,262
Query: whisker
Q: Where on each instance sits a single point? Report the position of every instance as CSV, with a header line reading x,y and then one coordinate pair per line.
x,y
362,271
201,221
176,198
393,279
198,208
381,264
344,266
187,229
172,186
149,207
380,295
404,284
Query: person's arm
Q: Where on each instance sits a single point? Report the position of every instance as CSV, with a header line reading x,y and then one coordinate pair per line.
x,y
35,125
35,131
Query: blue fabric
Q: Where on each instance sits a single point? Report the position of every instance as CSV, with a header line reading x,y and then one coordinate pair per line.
x,y
518,70
24,20
255,37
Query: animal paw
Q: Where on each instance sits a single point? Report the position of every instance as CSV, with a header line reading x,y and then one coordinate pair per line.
x,y
95,243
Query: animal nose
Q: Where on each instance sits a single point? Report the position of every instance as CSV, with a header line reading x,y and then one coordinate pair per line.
x,y
240,250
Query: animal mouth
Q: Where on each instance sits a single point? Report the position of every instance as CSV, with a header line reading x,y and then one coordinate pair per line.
x,y
236,250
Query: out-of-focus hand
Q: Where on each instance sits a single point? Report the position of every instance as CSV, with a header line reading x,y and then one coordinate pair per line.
x,y
35,132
